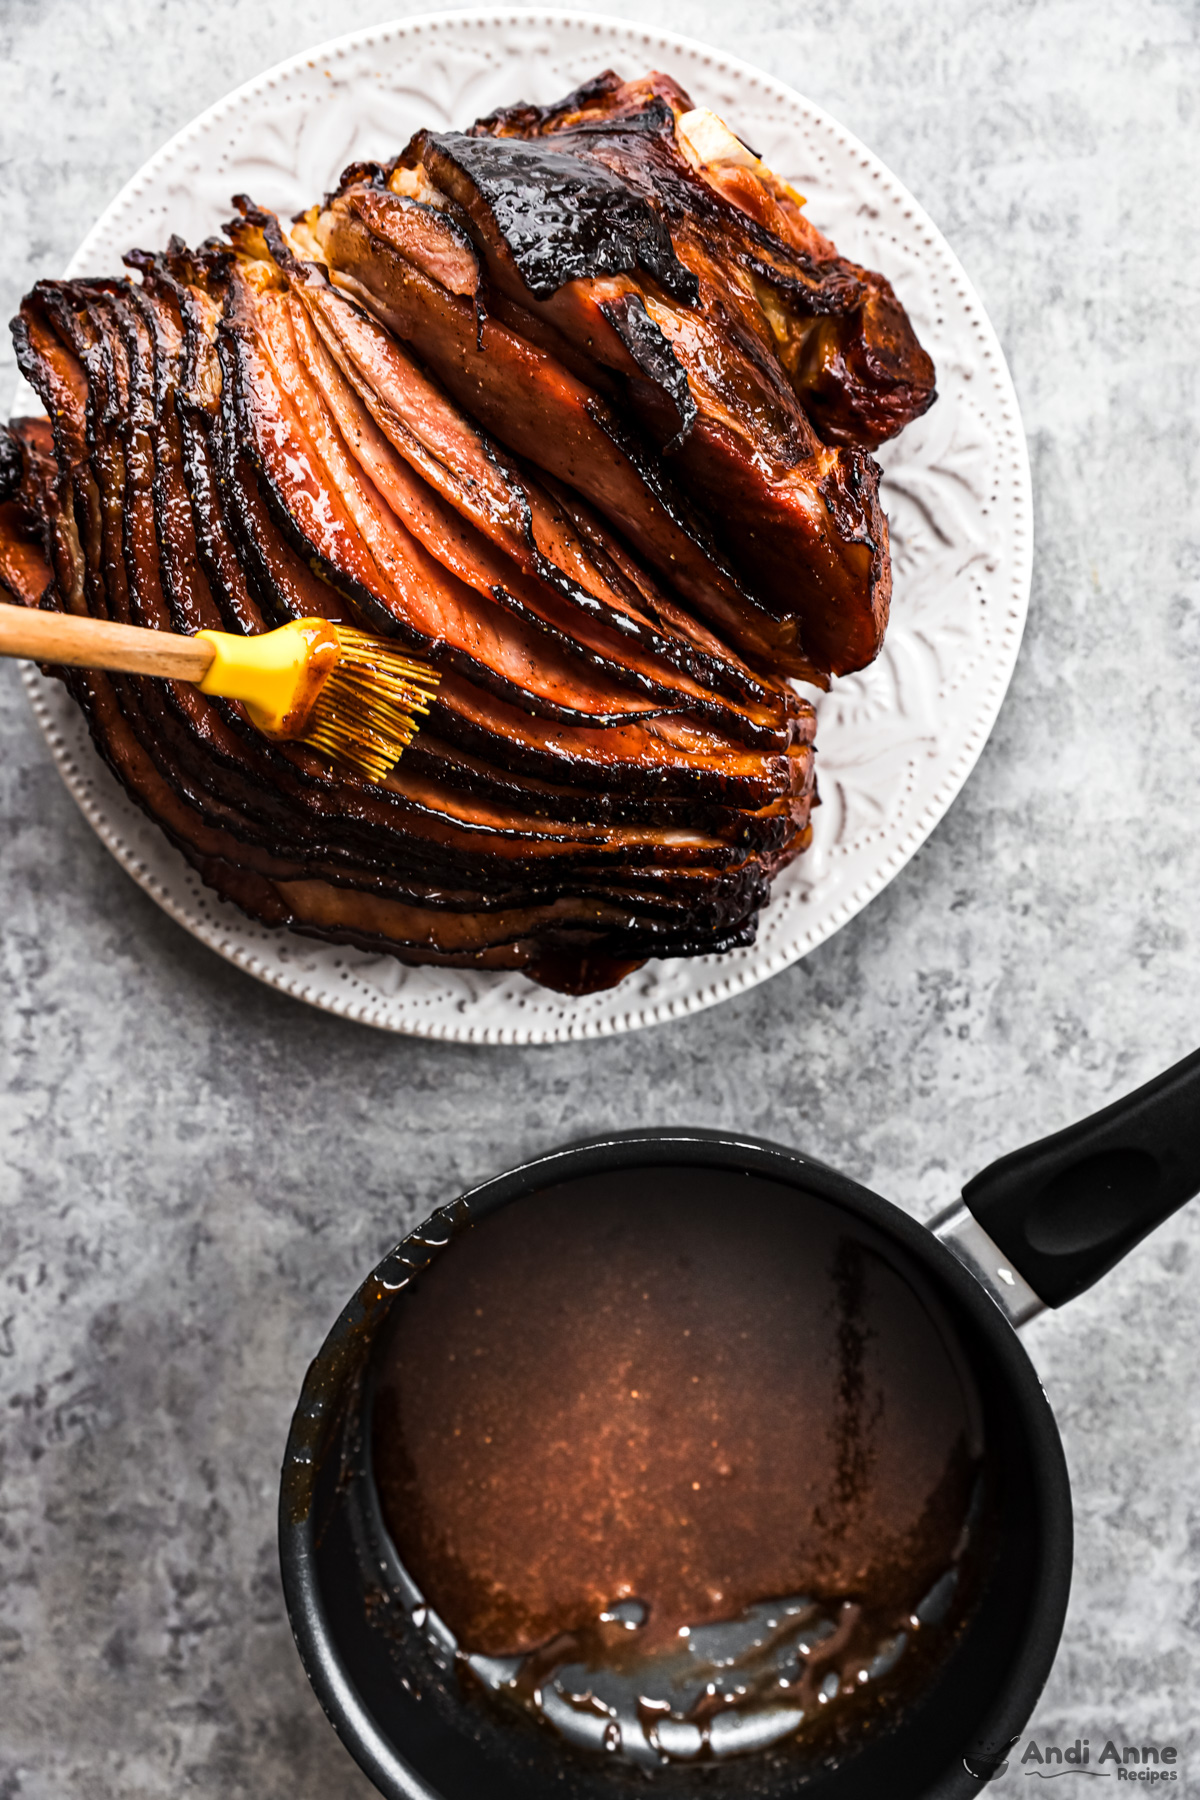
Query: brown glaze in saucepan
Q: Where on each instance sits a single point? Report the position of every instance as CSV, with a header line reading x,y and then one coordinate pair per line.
x,y
650,1390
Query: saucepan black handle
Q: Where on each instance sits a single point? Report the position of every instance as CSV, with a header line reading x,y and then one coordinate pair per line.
x,y
1065,1210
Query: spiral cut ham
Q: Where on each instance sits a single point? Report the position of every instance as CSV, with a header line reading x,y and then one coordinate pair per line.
x,y
575,414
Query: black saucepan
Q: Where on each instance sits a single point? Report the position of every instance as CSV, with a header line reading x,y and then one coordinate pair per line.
x,y
1033,1230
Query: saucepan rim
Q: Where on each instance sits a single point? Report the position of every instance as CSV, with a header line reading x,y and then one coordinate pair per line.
x,y
698,1146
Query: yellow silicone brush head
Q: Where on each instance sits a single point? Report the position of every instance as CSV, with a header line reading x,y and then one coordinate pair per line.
x,y
368,710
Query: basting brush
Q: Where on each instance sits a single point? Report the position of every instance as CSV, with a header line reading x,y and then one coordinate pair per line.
x,y
350,696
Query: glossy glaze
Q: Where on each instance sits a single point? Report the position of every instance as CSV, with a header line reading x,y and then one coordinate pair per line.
x,y
709,1399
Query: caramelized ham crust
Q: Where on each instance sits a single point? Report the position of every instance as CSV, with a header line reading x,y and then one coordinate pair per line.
x,y
700,371
845,341
623,256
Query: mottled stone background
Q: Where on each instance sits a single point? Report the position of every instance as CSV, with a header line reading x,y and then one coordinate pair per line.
x,y
195,1171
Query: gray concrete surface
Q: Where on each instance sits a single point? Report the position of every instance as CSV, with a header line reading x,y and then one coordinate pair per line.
x,y
195,1171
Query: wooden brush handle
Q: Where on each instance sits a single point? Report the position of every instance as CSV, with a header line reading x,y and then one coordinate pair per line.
x,y
52,637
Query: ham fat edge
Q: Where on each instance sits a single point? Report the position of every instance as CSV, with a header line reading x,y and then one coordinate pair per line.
x,y
614,482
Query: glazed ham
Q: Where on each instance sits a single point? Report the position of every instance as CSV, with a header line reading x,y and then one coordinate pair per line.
x,y
578,408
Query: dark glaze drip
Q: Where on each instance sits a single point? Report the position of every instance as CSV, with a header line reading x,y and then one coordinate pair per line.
x,y
682,1463
563,218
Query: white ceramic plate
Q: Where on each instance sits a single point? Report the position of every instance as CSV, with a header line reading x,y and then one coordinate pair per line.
x,y
895,743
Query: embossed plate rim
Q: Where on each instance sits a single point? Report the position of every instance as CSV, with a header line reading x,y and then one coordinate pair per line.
x,y
162,871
